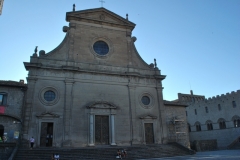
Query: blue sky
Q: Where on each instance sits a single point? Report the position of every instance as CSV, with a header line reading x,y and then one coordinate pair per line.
x,y
196,42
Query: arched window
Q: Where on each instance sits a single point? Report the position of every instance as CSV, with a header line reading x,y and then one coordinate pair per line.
x,y
236,121
209,125
222,124
198,126
219,107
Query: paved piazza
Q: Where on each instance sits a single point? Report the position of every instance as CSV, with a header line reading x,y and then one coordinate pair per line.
x,y
218,155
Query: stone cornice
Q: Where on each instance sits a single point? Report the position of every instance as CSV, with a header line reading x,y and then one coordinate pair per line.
x,y
28,66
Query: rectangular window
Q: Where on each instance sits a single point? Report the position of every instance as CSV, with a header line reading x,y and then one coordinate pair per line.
x,y
219,107
186,113
206,109
195,111
3,99
234,104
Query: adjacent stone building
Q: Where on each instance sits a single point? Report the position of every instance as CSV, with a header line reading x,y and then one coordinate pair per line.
x,y
11,108
95,89
214,121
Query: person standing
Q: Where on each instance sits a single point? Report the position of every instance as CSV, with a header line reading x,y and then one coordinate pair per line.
x,y
32,142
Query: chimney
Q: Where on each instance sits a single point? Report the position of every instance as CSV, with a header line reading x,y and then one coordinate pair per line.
x,y
21,81
191,92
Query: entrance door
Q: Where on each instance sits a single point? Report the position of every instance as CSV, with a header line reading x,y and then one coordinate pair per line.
x,y
102,130
1,131
149,136
46,134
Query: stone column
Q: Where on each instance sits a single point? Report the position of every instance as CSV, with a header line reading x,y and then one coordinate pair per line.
x,y
91,130
113,130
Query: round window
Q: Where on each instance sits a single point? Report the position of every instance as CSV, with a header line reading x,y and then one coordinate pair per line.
x,y
145,100
101,48
49,95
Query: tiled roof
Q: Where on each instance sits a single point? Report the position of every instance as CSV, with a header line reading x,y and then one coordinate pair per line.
x,y
12,83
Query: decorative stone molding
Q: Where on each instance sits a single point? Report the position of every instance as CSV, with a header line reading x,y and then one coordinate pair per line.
x,y
148,117
101,105
48,115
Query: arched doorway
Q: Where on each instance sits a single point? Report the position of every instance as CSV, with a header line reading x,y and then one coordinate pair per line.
x,y
1,130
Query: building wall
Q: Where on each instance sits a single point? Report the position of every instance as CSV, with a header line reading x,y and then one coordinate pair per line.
x,y
11,117
227,112
177,125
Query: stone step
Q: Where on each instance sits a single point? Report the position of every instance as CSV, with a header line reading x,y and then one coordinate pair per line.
x,y
133,152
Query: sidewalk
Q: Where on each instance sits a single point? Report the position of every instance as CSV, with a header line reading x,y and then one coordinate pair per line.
x,y
211,155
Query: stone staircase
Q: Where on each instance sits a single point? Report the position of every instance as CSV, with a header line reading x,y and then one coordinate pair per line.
x,y
235,144
102,153
6,149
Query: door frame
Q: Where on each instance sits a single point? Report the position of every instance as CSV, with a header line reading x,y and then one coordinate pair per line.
x,y
149,119
39,131
101,108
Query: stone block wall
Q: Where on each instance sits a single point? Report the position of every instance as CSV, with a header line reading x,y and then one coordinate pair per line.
x,y
177,125
11,115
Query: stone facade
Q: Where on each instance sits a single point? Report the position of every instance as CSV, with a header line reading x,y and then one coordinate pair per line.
x,y
11,105
94,88
218,117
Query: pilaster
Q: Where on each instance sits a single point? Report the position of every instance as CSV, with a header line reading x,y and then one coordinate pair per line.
x,y
28,107
67,112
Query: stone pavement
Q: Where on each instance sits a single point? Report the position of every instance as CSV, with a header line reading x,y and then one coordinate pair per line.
x,y
210,155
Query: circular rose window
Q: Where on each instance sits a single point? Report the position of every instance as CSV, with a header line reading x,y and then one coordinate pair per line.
x,y
49,95
101,48
145,100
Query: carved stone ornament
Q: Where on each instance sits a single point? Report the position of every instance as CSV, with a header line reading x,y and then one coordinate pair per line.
x,y
102,16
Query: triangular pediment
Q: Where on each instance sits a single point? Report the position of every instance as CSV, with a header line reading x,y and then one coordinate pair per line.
x,y
48,115
100,16
101,105
148,117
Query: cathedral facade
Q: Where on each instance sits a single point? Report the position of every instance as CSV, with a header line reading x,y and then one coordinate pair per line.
x,y
95,89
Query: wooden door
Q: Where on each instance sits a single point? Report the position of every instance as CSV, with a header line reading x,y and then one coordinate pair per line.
x,y
149,135
46,136
102,130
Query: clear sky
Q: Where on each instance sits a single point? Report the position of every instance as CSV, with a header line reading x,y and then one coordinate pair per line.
x,y
196,42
